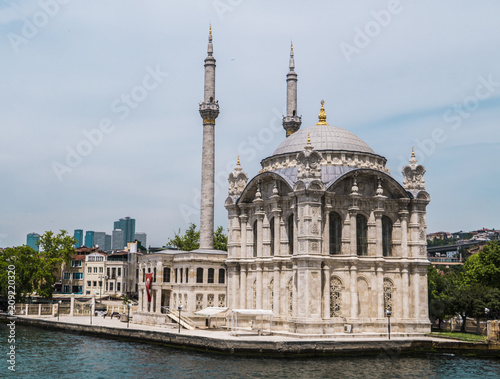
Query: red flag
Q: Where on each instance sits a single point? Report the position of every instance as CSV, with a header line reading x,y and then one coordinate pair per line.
x,y
149,279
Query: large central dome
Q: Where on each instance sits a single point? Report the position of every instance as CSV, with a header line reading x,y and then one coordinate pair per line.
x,y
324,137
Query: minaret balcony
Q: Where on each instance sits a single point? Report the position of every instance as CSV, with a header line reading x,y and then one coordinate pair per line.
x,y
209,111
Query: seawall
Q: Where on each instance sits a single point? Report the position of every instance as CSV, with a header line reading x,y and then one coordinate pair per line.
x,y
277,348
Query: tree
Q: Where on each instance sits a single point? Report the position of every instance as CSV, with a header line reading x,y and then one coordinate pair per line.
x,y
54,251
191,239
23,263
484,267
440,294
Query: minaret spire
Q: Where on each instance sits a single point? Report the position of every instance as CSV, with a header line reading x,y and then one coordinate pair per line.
x,y
209,110
291,122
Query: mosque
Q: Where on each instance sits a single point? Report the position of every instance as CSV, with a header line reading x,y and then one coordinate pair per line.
x,y
323,235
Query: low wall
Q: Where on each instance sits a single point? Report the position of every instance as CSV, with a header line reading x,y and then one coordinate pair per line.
x,y
276,348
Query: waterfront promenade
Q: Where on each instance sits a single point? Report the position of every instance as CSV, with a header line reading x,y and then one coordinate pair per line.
x,y
250,343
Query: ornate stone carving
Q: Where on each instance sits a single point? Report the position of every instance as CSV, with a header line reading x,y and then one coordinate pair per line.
x,y
237,180
413,174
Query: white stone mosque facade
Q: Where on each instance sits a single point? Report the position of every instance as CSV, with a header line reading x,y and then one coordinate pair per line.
x,y
323,235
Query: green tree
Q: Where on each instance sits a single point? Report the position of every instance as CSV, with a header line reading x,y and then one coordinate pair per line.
x,y
440,294
484,267
54,251
24,263
191,239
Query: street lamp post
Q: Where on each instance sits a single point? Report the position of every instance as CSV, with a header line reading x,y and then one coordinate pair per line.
x,y
58,306
180,309
105,277
388,313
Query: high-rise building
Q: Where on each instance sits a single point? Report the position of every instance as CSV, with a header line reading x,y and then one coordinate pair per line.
x,y
79,238
142,238
118,242
127,225
107,245
89,238
32,240
100,240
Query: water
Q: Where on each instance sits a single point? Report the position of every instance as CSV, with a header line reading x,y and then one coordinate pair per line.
x,y
53,354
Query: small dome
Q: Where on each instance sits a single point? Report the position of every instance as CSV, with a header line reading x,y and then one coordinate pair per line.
x,y
323,137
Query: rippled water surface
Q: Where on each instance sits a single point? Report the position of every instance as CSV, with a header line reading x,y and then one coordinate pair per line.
x,y
53,354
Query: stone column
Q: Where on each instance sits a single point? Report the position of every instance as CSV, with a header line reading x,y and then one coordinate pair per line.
x,y
243,223
405,294
416,293
158,301
326,232
326,292
276,290
378,233
354,292
380,292
259,285
260,231
140,300
243,286
277,234
404,233
352,214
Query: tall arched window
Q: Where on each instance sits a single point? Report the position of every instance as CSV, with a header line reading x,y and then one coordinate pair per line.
x,y
271,229
290,233
361,235
255,238
386,236
199,275
335,233
335,297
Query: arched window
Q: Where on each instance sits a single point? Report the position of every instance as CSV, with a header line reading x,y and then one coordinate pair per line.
x,y
271,229
388,295
255,238
335,297
386,236
211,273
222,276
335,233
361,237
290,233
199,275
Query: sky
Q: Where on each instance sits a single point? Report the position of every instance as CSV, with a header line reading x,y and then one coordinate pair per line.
x,y
99,102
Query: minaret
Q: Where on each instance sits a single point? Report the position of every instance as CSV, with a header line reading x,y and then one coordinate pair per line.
x,y
209,110
291,122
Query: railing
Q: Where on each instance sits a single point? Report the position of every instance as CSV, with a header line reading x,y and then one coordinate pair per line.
x,y
444,260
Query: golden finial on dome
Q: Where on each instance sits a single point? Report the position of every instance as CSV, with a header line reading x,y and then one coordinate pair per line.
x,y
238,162
322,115
291,49
308,138
210,32
413,152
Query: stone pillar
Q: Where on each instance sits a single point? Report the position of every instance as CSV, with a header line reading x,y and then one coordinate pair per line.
x,y
354,292
92,305
380,292
39,310
378,233
260,232
276,290
414,246
404,233
158,300
207,187
416,293
72,305
243,223
372,235
405,294
277,234
140,300
352,214
326,292
326,232
259,285
243,286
